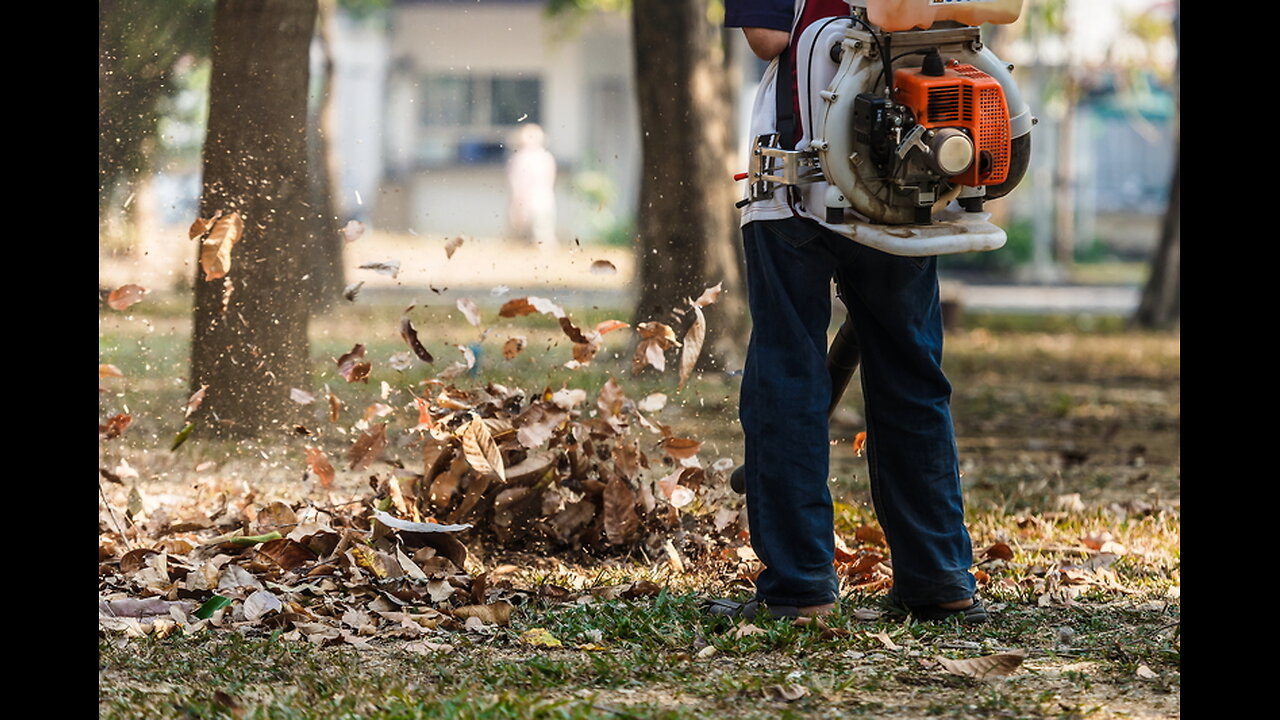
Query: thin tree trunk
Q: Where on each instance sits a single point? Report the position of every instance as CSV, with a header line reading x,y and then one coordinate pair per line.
x,y
1161,306
249,343
1064,179
326,261
686,219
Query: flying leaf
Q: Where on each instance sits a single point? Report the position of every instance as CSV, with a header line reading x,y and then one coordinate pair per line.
x,y
197,397
469,310
604,327
335,405
367,447
513,346
419,527
349,292
218,236
106,371
452,246
182,435
528,306
125,295
573,331
620,519
410,336
114,426
859,442
653,402
352,231
709,295
350,367
481,451
400,361
320,465
457,368
390,267
603,267
692,345
681,448
986,666
302,397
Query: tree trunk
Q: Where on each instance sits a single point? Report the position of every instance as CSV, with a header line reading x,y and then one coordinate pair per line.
x,y
325,264
1064,178
249,343
1161,305
686,220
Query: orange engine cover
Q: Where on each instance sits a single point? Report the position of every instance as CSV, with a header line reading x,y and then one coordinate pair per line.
x,y
967,98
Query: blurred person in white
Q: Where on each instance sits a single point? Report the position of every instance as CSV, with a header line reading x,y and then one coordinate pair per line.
x,y
531,179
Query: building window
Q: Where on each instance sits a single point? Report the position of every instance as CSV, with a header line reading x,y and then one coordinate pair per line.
x,y
465,118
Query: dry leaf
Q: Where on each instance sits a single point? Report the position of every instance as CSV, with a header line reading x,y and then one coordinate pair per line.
x,y
260,603
870,534
351,368
986,666
319,464
106,371
114,426
789,692
418,527
193,402
681,448
1146,673
709,295
513,346
999,551
498,613
692,345
125,295
457,368
335,405
452,246
217,237
744,630
887,641
469,310
540,637
620,519
603,267
410,336
390,267
859,442
528,306
367,447
481,451
352,231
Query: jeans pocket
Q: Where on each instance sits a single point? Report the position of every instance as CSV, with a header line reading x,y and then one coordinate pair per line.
x,y
794,231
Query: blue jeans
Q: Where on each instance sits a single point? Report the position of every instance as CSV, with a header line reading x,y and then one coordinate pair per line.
x,y
911,451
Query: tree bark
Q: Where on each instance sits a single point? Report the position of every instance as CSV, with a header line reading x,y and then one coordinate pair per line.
x,y
686,221
249,343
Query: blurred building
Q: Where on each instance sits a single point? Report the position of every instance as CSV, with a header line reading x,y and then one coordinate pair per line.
x,y
463,76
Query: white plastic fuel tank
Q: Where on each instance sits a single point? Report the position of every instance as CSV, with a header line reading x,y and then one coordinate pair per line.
x,y
897,15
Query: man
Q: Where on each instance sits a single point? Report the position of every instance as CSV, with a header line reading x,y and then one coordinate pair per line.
x,y
894,308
